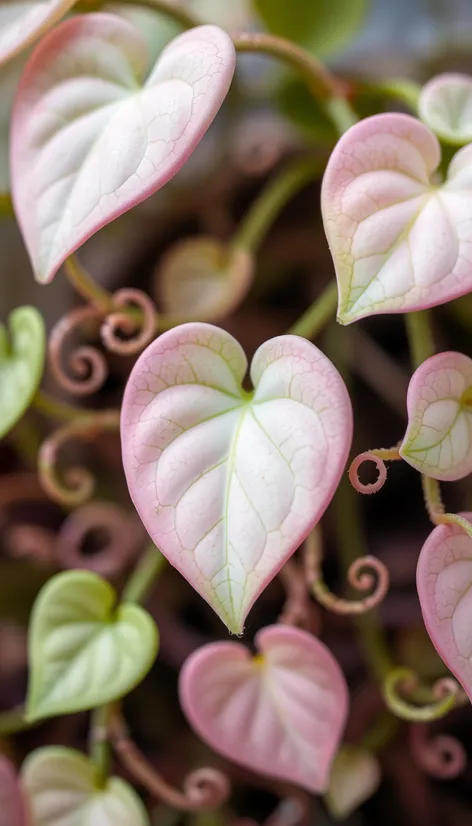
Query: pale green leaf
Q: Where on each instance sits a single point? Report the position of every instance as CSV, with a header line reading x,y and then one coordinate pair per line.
x,y
322,26
85,651
62,790
21,364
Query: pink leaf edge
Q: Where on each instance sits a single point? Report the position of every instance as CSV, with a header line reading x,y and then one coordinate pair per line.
x,y
228,484
280,714
444,583
92,136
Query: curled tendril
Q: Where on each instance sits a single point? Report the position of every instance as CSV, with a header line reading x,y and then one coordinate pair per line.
x,y
87,365
78,484
401,681
297,610
442,756
376,577
141,327
203,789
117,550
378,457
31,542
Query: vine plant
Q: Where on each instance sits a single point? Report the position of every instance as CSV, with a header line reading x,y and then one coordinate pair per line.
x,y
229,475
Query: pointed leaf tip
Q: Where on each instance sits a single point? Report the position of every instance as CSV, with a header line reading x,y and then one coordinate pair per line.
x,y
438,440
444,582
399,240
96,130
227,483
280,714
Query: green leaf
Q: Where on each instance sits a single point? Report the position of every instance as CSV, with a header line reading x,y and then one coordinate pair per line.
x,y
21,364
321,26
296,102
84,651
61,788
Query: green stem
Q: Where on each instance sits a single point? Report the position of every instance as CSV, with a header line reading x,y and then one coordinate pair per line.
x,y
341,113
54,408
100,751
382,732
318,315
400,89
403,708
167,7
271,201
84,284
13,721
144,575
420,336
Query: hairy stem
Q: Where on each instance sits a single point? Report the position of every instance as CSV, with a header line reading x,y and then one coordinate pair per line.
x,y
266,208
318,315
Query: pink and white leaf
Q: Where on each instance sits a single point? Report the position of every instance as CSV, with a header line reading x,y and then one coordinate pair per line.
x,y
21,23
96,129
445,105
444,582
229,483
399,241
12,808
438,439
280,714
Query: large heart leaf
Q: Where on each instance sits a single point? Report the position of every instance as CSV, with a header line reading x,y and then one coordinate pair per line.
x,y
12,809
438,440
96,130
62,790
444,582
21,364
322,26
21,23
229,483
280,713
400,242
84,651
445,104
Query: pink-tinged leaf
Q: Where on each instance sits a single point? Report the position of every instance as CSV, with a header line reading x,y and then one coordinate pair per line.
x,y
281,713
444,582
229,483
23,23
445,104
12,809
97,130
399,241
438,440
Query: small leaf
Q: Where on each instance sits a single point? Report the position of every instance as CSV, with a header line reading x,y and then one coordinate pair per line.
x,y
399,241
85,651
201,278
96,129
62,790
12,809
23,23
445,105
229,483
355,777
438,440
279,714
322,26
444,582
21,364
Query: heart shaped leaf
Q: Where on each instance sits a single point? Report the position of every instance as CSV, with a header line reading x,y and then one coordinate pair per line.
x,y
280,713
445,104
62,790
355,777
438,440
12,809
201,278
96,129
444,582
229,483
399,242
322,26
23,23
21,364
84,651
